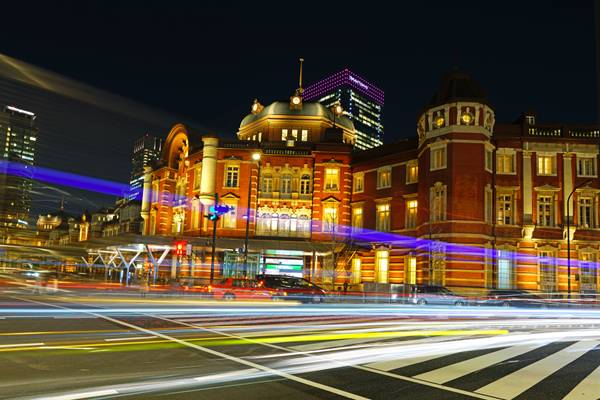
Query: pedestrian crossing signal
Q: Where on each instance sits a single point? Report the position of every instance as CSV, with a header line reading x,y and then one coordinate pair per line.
x,y
180,247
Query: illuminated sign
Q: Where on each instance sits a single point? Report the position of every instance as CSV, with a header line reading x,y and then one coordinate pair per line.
x,y
359,83
284,266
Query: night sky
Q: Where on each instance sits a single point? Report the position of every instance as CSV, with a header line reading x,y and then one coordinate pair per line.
x,y
207,63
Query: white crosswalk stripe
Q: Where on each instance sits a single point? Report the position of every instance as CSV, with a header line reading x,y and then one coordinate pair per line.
x,y
519,381
454,371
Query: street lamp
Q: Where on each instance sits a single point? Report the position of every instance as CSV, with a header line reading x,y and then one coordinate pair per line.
x,y
569,236
255,158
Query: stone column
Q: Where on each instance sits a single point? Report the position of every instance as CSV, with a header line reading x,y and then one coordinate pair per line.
x,y
146,198
527,190
209,170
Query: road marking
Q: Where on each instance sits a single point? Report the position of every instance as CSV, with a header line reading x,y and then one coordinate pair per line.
x,y
340,363
5,346
346,342
82,395
512,385
403,362
251,364
454,371
129,338
588,388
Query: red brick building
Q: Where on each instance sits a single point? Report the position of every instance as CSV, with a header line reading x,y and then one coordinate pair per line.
x,y
467,203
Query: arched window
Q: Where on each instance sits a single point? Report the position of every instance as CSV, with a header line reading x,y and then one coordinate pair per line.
x,y
284,225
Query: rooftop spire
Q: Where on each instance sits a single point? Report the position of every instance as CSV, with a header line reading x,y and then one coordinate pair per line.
x,y
300,90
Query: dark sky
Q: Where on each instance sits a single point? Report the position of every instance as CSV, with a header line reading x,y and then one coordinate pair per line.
x,y
207,62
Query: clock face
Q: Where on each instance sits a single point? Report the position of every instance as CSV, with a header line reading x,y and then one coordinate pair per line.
x,y
467,118
254,107
296,100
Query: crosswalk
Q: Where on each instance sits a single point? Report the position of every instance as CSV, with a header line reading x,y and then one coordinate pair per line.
x,y
529,377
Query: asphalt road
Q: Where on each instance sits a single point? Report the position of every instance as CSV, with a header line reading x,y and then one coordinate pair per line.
x,y
70,346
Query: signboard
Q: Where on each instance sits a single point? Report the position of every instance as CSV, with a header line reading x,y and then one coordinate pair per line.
x,y
284,266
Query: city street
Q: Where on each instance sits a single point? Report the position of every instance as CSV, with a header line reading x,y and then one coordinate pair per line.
x,y
71,346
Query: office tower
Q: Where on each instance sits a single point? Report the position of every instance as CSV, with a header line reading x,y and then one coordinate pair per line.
x,y
146,151
18,136
361,100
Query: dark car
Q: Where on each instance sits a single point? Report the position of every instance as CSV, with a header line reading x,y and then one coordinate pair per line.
x,y
292,288
243,289
435,295
513,298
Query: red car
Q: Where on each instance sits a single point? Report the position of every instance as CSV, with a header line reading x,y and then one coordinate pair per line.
x,y
240,288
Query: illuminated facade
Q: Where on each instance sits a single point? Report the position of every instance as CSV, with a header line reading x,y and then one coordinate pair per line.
x,y
18,136
289,164
146,151
362,103
470,203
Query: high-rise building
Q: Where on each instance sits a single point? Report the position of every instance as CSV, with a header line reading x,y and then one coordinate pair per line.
x,y
18,136
362,103
146,151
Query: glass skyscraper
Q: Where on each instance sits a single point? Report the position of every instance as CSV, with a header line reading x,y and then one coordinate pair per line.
x,y
18,136
361,100
146,151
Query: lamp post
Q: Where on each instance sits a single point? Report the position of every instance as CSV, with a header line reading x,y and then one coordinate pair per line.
x,y
255,158
569,236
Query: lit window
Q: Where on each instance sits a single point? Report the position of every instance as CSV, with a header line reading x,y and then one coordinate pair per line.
x,y
437,203
284,134
438,158
505,270
505,163
305,184
332,179
330,216
382,258
304,135
232,176
383,217
546,164
260,136
286,184
411,214
547,272
504,214
545,211
586,166
359,182
155,192
356,271
357,218
412,173
411,270
267,185
384,177
295,134
196,214
229,219
586,212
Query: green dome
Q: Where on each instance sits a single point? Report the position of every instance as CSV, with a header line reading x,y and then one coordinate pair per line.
x,y
308,109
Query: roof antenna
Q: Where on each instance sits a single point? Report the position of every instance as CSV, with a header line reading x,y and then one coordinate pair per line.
x,y
300,90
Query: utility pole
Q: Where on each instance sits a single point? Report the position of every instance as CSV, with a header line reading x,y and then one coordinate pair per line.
x,y
214,241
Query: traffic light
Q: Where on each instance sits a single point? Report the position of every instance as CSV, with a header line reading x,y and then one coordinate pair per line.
x,y
217,210
180,247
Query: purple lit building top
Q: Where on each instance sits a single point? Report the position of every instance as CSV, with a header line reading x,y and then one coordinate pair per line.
x,y
345,77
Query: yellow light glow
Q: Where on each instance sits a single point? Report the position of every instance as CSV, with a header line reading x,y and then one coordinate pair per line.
x,y
256,156
439,121
296,100
467,118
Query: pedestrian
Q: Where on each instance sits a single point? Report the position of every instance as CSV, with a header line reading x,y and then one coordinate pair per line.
x,y
144,286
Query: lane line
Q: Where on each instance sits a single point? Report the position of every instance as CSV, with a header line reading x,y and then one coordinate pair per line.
x,y
512,385
82,395
129,338
237,360
457,370
588,388
9,346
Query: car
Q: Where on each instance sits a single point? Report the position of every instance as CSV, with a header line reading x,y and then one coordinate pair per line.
x,y
434,295
293,288
240,288
513,298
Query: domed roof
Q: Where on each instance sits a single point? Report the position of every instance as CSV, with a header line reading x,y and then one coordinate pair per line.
x,y
458,86
308,109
